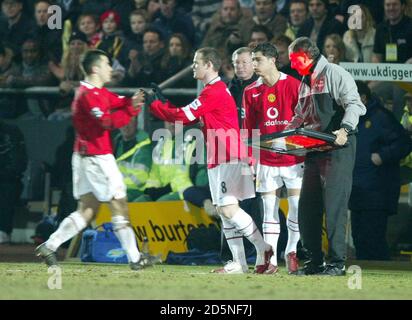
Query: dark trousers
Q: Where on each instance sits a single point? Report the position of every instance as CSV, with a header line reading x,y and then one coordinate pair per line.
x,y
9,198
369,234
326,187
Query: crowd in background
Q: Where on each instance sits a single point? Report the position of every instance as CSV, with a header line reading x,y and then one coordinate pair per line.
x,y
151,40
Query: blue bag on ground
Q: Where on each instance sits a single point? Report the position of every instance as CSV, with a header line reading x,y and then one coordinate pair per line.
x,y
194,257
102,245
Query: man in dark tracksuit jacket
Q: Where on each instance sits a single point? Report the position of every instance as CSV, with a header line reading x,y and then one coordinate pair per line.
x,y
330,104
381,143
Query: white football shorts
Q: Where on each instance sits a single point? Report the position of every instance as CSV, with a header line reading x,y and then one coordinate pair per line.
x,y
98,175
230,183
272,178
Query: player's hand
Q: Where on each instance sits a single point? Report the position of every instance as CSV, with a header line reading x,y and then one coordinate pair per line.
x,y
341,137
139,99
158,95
376,159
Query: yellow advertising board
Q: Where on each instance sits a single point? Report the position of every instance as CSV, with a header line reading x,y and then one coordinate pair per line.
x,y
165,224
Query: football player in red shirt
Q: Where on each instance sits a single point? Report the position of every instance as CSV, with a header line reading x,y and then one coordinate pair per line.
x,y
269,105
96,177
230,177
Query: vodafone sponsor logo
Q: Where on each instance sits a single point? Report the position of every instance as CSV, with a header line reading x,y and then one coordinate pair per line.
x,y
272,114
270,123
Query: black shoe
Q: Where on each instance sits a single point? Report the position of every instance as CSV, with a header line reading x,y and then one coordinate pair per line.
x,y
309,269
144,262
333,270
48,255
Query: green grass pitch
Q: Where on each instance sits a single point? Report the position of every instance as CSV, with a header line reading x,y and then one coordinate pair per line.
x,y
164,282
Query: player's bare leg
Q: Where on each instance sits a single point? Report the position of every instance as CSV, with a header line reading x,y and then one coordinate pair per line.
x,y
246,226
87,209
124,232
271,225
293,231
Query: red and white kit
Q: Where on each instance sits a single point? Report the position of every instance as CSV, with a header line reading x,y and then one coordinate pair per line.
x,y
96,111
270,109
215,108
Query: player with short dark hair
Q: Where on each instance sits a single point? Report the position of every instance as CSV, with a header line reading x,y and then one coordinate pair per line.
x,y
96,177
269,105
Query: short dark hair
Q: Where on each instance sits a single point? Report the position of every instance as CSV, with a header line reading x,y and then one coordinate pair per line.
x,y
268,50
363,89
155,30
262,29
211,55
305,2
90,58
306,45
282,39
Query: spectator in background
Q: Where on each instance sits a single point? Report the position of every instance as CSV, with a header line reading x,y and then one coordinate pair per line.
x,y
177,57
202,13
68,72
282,44
320,23
393,44
259,34
10,106
375,7
298,13
359,43
266,15
32,71
229,30
382,143
133,153
15,28
71,9
334,48
13,162
134,39
49,39
144,67
171,20
89,24
153,6
393,38
112,37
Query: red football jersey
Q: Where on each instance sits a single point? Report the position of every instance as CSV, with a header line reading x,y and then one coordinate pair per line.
x,y
215,108
96,112
270,109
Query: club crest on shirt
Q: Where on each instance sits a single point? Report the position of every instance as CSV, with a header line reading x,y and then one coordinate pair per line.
x,y
368,124
271,98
